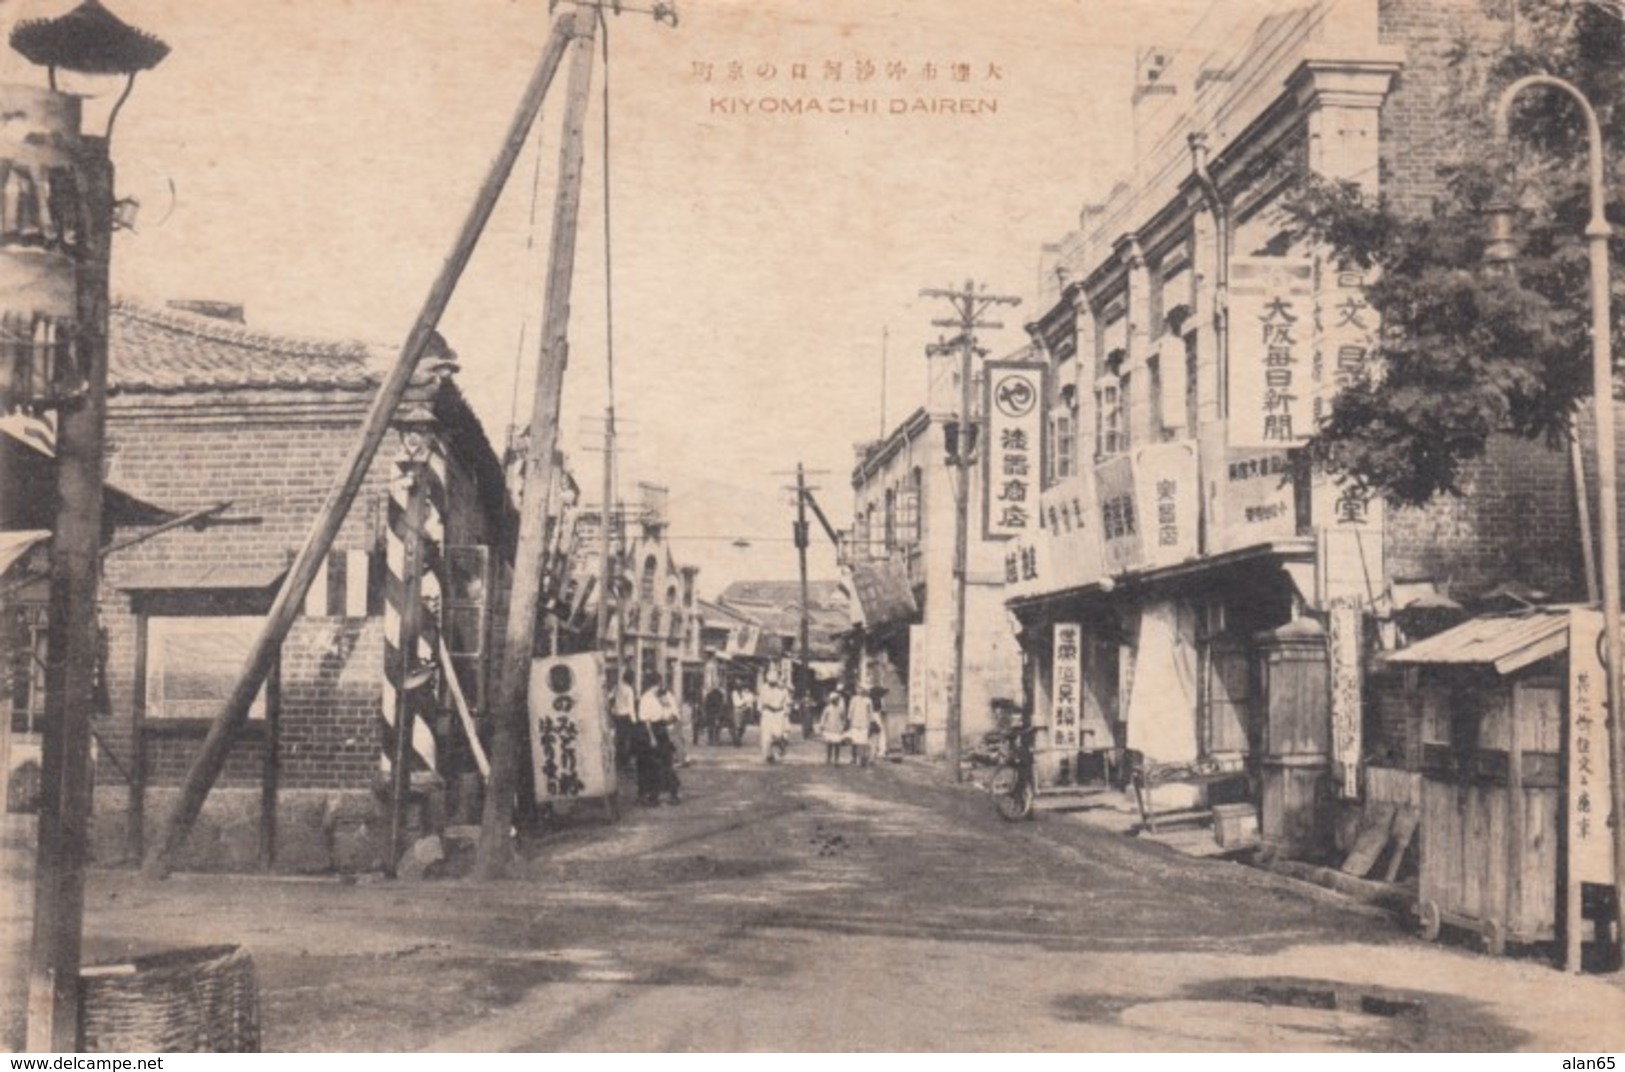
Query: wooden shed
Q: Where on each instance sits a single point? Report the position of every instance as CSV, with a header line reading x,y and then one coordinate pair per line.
x,y
1492,700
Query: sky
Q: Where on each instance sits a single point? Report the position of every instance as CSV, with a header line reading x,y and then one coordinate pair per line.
x,y
314,159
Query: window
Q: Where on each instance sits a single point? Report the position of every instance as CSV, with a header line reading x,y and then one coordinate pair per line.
x,y
1109,438
25,646
1066,446
1192,406
193,664
646,584
1125,406
891,520
1154,422
908,512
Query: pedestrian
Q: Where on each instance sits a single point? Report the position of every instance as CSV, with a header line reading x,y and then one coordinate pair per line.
x,y
744,709
657,709
623,713
869,723
833,726
697,718
774,704
715,713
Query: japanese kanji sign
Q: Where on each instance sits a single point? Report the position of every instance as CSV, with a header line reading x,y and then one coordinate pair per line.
x,y
1014,458
1065,551
1166,490
1121,547
1344,329
1066,688
569,744
1258,498
1272,346
917,677
1591,849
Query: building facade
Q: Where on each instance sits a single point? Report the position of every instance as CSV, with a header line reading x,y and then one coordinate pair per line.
x,y
1192,344
901,559
204,411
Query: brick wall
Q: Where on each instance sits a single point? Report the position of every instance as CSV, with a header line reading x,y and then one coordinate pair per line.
x,y
1419,130
1516,521
275,454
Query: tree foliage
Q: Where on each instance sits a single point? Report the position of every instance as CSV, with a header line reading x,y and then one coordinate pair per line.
x,y
1466,353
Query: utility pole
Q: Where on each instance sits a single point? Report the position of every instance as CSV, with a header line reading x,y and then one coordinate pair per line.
x,y
211,758
509,711
969,304
806,595
604,556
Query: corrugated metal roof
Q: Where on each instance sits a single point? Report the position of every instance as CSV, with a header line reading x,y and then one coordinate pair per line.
x,y
1507,642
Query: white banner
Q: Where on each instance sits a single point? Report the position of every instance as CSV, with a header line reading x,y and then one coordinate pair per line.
x,y
1014,466
1065,551
1066,688
917,705
570,749
1272,340
1166,489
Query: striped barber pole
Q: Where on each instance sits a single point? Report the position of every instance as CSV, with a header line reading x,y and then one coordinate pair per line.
x,y
423,461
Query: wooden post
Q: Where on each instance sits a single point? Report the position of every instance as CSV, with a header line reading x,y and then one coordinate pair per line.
x,y
271,765
135,835
509,711
312,556
66,783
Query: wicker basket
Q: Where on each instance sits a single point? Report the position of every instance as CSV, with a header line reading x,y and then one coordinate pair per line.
x,y
185,1001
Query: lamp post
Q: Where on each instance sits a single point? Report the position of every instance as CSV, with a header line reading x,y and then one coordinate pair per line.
x,y
73,207
1502,249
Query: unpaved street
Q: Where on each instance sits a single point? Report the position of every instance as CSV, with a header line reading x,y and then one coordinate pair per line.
x,y
807,907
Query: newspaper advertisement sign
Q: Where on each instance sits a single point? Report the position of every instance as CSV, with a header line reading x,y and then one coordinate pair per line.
x,y
1272,389
1259,498
1013,453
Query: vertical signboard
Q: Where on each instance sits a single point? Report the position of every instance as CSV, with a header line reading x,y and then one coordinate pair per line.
x,y
1591,842
570,747
1014,448
1345,325
1345,626
1066,692
1167,493
1121,546
1272,386
1259,499
916,675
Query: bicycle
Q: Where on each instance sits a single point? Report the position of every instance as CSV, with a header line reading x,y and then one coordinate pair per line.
x,y
1012,786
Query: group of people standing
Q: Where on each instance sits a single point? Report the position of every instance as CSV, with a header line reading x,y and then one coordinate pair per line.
x,y
853,720
648,733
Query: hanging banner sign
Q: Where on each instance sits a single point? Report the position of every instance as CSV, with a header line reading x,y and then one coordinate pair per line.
x,y
1121,548
1272,341
1014,456
1591,842
884,591
570,744
1345,626
1066,691
1345,327
917,678
1167,491
1065,551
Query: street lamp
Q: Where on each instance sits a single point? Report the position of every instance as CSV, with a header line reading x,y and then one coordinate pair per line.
x,y
1501,250
64,207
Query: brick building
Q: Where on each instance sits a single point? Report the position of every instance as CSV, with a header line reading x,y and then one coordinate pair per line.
x,y
1191,347
202,411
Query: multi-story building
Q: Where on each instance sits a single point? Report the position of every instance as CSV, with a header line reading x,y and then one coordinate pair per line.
x,y
1191,346
901,559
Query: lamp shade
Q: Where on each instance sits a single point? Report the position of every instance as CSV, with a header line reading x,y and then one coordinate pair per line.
x,y
89,39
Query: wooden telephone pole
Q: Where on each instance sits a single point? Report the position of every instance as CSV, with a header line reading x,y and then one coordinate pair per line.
x,y
510,707
969,304
312,555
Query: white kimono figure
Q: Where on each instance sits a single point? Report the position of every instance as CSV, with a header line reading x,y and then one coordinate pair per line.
x,y
774,703
868,728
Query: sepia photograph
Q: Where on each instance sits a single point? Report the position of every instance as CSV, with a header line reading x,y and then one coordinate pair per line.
x,y
808,526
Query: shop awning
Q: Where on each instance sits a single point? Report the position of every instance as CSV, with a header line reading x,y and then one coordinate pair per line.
x,y
1507,642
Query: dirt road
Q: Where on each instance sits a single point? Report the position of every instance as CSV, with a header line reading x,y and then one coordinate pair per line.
x,y
805,907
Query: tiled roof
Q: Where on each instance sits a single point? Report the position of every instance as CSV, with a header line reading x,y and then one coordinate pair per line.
x,y
822,594
151,350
